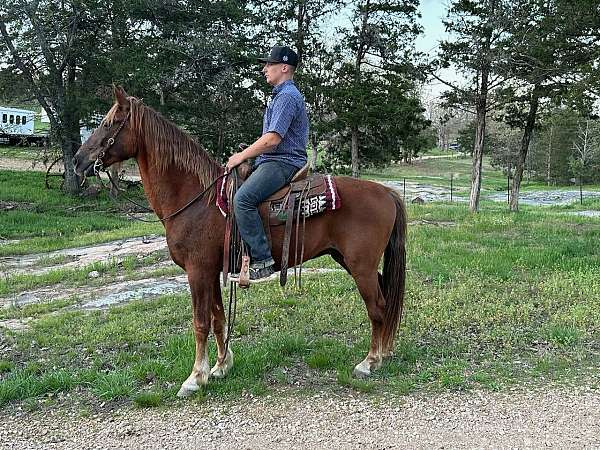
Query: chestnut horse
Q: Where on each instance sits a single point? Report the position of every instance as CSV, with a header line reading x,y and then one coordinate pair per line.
x,y
370,224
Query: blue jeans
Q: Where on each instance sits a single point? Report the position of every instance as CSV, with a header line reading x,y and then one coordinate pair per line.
x,y
266,179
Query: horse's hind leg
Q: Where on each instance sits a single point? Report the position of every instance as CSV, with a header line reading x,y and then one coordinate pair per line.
x,y
224,357
368,286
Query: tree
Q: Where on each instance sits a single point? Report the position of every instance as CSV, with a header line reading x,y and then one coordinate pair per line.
x,y
586,150
550,150
477,26
45,43
379,42
553,48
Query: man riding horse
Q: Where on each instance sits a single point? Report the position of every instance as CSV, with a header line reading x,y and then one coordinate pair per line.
x,y
280,152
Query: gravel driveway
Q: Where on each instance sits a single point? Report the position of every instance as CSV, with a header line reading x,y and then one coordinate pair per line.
x,y
556,418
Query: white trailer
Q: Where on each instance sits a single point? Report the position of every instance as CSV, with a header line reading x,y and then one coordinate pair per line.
x,y
16,127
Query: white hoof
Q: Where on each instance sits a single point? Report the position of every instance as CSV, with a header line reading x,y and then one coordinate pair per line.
x,y
362,370
191,385
187,390
220,370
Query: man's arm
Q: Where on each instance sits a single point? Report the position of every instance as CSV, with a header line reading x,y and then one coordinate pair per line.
x,y
263,144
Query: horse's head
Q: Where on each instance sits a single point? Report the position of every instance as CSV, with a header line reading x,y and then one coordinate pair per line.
x,y
111,142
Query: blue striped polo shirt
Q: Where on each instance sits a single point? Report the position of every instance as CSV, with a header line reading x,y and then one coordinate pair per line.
x,y
286,116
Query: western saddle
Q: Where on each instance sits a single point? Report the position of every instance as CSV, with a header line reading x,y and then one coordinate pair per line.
x,y
290,205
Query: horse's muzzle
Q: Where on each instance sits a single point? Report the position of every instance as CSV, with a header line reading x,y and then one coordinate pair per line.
x,y
82,165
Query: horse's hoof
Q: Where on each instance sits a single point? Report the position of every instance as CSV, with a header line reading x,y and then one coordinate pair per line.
x,y
362,370
220,370
191,386
187,391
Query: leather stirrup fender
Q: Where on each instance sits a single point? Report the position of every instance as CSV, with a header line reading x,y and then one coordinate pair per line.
x,y
285,251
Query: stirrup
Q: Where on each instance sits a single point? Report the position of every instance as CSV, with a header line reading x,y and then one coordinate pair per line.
x,y
244,279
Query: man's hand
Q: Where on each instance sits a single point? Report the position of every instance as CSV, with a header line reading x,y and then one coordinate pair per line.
x,y
235,160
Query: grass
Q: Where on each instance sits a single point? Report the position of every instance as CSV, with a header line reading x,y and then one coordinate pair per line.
x,y
53,220
493,300
24,153
438,172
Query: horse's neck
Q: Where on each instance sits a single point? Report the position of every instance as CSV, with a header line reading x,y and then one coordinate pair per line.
x,y
169,190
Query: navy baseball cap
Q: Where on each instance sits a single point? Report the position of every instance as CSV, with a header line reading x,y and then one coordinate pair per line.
x,y
281,54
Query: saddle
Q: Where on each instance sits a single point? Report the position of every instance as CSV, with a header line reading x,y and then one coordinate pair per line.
x,y
289,206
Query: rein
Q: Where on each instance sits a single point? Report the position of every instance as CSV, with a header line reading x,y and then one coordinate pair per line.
x,y
170,216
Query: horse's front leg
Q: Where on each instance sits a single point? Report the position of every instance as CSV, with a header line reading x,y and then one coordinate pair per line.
x,y
224,355
202,301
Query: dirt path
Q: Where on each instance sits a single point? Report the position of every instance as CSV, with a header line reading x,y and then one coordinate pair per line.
x,y
555,418
7,163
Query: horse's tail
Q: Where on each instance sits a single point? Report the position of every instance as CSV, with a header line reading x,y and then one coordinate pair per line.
x,y
394,275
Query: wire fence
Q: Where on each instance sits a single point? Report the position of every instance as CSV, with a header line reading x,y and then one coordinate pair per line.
x,y
419,190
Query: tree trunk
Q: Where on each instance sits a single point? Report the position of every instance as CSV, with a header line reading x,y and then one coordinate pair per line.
x,y
70,143
313,153
527,133
221,140
69,135
354,152
481,111
549,155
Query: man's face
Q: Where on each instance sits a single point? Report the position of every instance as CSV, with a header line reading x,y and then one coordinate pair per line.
x,y
274,72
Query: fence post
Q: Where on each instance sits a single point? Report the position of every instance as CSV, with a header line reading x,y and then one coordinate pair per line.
x,y
580,191
451,185
404,190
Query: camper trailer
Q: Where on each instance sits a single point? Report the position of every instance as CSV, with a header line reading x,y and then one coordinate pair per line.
x,y
16,127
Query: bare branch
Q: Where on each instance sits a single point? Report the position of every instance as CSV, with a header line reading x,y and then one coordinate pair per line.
x,y
456,88
44,46
27,73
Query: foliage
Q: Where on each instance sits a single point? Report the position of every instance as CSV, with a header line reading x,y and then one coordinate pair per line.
x,y
550,57
376,110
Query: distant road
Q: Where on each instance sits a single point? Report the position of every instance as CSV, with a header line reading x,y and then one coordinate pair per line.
x,y
8,163
453,155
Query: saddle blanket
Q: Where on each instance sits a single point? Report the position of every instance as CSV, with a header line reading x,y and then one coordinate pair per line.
x,y
311,205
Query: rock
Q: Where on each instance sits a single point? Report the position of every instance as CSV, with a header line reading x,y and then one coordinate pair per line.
x,y
92,191
417,201
94,274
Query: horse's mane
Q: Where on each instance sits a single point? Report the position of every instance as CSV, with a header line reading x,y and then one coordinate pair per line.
x,y
166,144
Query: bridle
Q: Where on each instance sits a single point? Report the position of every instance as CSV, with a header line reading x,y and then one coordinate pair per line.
x,y
99,164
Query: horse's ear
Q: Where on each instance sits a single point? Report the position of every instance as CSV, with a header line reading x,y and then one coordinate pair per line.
x,y
120,95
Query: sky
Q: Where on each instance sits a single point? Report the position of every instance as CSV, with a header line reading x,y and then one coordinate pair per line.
x,y
432,14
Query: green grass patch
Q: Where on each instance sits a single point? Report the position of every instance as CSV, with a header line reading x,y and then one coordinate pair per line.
x,y
51,220
6,366
35,310
25,153
345,378
113,385
148,399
